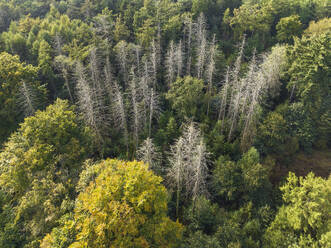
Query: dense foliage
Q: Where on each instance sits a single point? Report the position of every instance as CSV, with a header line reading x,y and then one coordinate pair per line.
x,y
215,97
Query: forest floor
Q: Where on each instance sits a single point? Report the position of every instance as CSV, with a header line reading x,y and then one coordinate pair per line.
x,y
319,162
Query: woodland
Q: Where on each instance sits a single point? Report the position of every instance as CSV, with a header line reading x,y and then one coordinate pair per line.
x,y
165,123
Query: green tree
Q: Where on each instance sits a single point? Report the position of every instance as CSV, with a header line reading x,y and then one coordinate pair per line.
x,y
288,27
274,137
125,206
39,167
246,180
309,60
12,74
185,95
121,32
14,43
304,219
45,59
146,33
319,27
250,18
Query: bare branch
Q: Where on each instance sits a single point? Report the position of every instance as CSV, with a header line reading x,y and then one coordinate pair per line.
x,y
148,153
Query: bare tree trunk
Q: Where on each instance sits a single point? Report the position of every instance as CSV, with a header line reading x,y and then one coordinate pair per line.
x,y
211,70
188,161
171,63
154,109
148,153
224,99
87,104
122,54
179,58
27,99
122,115
201,45
135,107
189,30
154,62
235,74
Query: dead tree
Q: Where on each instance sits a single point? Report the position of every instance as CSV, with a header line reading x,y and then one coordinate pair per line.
x,y
149,154
94,66
188,164
179,58
224,98
199,172
155,60
122,58
201,45
91,107
135,99
211,69
119,113
234,74
177,171
189,28
144,88
154,109
28,99
171,63
63,64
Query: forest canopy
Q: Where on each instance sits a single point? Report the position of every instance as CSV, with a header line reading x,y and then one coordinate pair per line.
x,y
163,123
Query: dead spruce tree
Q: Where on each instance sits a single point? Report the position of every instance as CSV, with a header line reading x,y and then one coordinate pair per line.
x,y
91,107
28,99
199,172
211,67
137,52
248,92
177,172
188,165
234,74
149,101
171,63
154,109
201,45
108,78
224,98
189,27
63,64
242,92
121,50
251,83
94,66
148,153
144,83
179,58
155,60
264,82
135,95
119,113
272,66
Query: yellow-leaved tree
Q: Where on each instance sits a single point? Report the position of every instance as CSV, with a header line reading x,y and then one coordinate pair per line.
x,y
125,206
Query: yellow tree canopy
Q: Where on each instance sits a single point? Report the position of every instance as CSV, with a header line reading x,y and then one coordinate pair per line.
x,y
126,206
